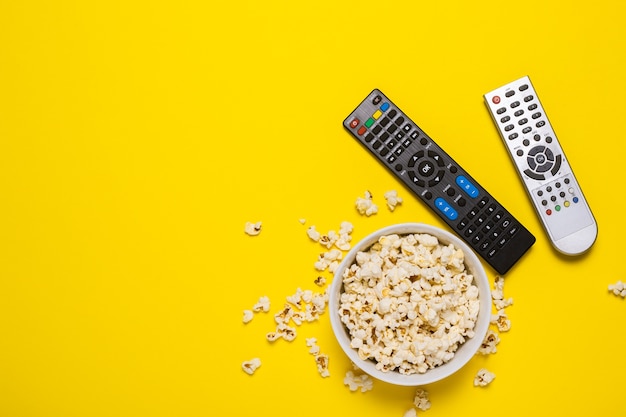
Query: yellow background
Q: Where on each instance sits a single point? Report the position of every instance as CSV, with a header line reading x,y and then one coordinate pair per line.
x,y
138,137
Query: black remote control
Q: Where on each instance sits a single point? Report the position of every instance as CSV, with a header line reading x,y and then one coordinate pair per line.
x,y
440,182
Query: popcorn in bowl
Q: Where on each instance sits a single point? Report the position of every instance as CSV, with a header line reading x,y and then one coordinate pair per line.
x,y
410,304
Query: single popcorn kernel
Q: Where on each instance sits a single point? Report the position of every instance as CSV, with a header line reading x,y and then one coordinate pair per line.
x,y
483,378
247,316
392,199
421,399
489,344
365,206
252,229
251,366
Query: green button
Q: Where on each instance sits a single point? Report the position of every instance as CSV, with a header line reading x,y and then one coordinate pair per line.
x,y
558,208
369,122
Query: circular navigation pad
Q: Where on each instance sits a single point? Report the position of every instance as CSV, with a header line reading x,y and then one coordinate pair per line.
x,y
428,168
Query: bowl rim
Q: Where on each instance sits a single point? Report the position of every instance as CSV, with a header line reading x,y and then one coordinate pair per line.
x,y
464,353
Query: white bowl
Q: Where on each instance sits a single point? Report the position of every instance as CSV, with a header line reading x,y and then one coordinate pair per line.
x,y
464,352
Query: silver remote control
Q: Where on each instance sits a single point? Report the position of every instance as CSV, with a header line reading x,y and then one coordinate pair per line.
x,y
543,167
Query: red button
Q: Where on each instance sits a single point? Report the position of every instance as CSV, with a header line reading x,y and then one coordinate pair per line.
x,y
362,130
548,212
354,123
495,99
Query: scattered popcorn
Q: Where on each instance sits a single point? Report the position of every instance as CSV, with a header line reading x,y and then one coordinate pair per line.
x,y
340,240
326,259
489,344
262,305
251,366
408,303
421,399
365,206
253,229
302,221
320,281
320,359
483,378
247,316
355,382
501,320
302,306
619,289
497,294
392,199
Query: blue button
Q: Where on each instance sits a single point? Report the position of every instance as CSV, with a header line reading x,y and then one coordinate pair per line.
x,y
446,209
384,107
465,184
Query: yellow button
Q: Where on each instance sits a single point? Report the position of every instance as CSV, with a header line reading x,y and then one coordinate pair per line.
x,y
377,114
566,204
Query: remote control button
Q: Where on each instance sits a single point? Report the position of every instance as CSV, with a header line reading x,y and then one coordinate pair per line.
x,y
414,135
426,168
534,175
415,157
557,166
437,179
377,129
384,107
509,93
513,136
495,99
377,99
377,144
416,179
536,115
369,122
444,207
532,107
434,155
377,114
523,87
361,130
392,113
407,128
392,128
528,98
508,128
518,113
505,119
522,121
385,121
527,129
541,124
465,185
354,123
369,137
514,104
501,110
399,121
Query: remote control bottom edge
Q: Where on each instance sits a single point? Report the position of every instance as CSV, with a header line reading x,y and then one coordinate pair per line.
x,y
511,253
